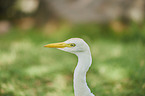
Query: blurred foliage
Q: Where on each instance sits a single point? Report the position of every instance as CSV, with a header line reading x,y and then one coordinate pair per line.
x,y
117,46
29,69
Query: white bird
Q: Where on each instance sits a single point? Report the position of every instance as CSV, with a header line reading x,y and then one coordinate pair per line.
x,y
80,48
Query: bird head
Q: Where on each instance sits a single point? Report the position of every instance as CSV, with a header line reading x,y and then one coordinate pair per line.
x,y
73,45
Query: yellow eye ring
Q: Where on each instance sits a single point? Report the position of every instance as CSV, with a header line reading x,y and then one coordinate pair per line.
x,y
72,44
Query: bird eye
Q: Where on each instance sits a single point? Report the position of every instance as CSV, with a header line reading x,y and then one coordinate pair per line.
x,y
72,44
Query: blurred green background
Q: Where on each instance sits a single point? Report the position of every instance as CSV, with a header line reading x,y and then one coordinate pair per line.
x,y
114,30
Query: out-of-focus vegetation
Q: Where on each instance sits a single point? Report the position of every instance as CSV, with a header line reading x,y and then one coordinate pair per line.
x,y
115,34
29,69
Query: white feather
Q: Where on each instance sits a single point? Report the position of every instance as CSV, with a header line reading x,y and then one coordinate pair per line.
x,y
83,53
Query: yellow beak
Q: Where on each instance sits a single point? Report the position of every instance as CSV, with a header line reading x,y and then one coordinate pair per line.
x,y
57,45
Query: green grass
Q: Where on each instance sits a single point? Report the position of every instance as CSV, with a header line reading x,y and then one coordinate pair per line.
x,y
29,69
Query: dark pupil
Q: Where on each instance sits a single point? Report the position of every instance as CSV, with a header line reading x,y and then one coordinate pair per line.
x,y
72,44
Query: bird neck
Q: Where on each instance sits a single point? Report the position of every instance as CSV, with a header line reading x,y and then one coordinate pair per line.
x,y
80,85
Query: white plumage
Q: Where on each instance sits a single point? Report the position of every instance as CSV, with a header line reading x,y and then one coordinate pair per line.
x,y
80,48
